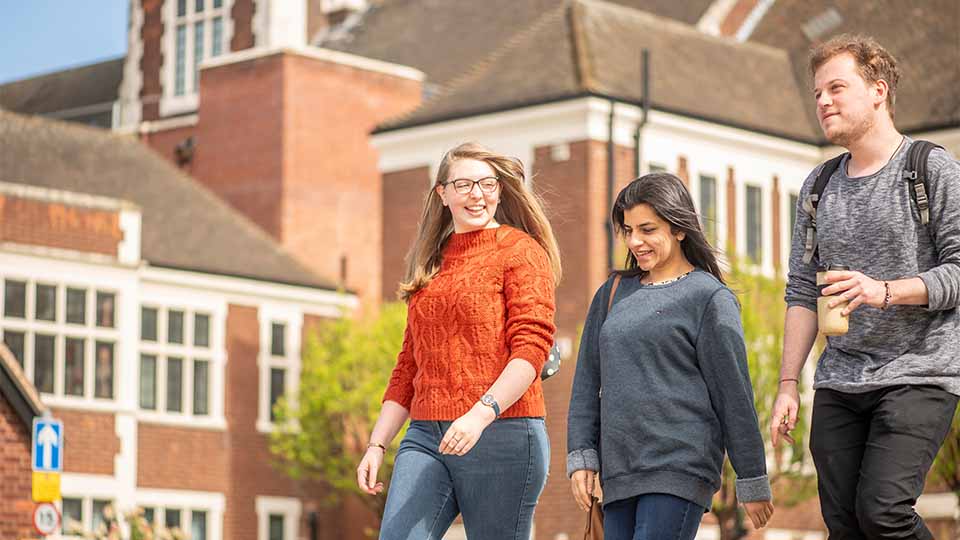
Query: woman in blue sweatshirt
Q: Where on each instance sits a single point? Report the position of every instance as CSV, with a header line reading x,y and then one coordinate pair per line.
x,y
671,363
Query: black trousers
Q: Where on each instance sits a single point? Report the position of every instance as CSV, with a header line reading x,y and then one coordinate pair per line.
x,y
872,452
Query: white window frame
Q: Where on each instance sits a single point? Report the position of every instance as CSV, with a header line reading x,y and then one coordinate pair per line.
x,y
61,330
214,354
289,507
759,263
170,102
187,502
290,362
716,204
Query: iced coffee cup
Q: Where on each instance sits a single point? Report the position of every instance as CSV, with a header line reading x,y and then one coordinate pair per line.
x,y
831,321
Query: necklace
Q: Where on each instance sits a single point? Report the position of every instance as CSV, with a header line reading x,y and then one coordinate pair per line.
x,y
671,280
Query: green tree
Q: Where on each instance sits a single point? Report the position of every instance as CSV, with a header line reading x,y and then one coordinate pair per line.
x,y
346,367
762,313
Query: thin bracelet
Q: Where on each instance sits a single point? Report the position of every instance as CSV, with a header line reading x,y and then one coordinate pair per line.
x,y
378,445
886,296
794,380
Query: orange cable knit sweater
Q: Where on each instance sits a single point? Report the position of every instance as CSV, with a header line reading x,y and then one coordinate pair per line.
x,y
491,302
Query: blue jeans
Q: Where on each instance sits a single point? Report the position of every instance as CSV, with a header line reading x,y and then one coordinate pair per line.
x,y
495,485
653,516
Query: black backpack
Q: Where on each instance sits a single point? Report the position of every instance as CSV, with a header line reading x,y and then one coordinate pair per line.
x,y
914,172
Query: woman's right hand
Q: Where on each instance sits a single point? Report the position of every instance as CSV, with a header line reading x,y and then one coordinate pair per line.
x,y
368,468
582,483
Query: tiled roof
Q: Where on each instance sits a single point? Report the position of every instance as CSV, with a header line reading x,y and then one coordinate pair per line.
x,y
184,225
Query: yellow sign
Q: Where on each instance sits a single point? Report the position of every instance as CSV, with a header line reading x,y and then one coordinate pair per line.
x,y
46,486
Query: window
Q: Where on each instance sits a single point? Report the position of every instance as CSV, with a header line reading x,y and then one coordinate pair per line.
x,y
708,207
148,381
148,324
15,342
72,518
43,359
277,518
197,515
176,356
81,514
76,306
64,349
277,384
198,525
198,32
46,302
174,384
201,385
277,333
105,307
103,371
754,224
175,327
279,361
74,367
15,299
276,527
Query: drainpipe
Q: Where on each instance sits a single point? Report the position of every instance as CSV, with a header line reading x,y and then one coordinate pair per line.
x,y
644,106
611,161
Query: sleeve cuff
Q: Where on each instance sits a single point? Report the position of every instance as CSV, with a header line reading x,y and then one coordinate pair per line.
x,y
395,394
752,489
579,460
532,354
934,290
802,302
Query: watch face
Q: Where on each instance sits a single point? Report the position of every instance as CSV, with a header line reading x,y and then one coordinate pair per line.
x,y
487,400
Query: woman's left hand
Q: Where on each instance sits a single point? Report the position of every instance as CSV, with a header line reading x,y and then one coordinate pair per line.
x,y
759,512
465,431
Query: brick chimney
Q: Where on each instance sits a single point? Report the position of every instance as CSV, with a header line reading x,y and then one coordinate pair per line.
x,y
283,136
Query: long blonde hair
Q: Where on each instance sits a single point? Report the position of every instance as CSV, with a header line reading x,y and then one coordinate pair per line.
x,y
519,207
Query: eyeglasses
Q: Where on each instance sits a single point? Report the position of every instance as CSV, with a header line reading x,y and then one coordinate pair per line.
x,y
464,185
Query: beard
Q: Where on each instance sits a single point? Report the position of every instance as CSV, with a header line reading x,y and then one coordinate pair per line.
x,y
853,131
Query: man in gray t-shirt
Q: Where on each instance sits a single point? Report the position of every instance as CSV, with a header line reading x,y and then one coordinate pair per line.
x,y
886,390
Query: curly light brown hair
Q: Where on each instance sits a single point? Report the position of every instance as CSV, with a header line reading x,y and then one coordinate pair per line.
x,y
874,63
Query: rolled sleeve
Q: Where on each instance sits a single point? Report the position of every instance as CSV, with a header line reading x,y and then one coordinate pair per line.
x,y
528,289
943,280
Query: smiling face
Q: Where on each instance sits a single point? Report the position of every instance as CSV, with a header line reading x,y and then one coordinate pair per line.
x,y
475,209
650,240
847,105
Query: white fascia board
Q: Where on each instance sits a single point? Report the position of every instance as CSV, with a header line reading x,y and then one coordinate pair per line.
x,y
97,486
212,500
250,291
513,133
317,53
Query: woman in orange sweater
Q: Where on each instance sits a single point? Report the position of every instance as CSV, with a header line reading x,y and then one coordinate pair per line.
x,y
480,297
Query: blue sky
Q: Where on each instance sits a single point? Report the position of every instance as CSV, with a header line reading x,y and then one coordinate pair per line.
x,y
39,36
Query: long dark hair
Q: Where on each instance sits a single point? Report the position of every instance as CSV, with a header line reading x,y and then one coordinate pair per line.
x,y
669,198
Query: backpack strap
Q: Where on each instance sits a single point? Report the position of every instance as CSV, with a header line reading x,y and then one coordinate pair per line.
x,y
915,172
810,203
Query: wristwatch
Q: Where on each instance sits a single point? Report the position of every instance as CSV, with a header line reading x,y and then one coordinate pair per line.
x,y
491,402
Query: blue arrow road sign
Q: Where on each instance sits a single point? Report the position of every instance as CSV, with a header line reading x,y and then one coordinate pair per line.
x,y
47,445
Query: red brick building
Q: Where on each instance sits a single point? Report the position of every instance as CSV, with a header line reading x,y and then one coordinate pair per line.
x,y
323,123
19,404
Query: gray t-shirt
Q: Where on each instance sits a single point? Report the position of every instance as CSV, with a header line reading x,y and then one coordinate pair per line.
x,y
676,393
872,225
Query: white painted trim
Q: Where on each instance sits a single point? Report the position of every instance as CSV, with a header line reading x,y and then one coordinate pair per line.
x,y
753,19
714,16
290,362
289,507
176,122
317,53
249,291
128,250
70,198
130,109
65,255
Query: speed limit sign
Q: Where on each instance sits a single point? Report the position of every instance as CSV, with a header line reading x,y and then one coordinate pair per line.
x,y
46,518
